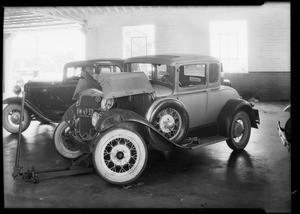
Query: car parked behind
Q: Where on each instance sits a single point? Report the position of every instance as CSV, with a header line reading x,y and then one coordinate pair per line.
x,y
48,101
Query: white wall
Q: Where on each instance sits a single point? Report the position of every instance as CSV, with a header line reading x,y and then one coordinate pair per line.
x,y
186,30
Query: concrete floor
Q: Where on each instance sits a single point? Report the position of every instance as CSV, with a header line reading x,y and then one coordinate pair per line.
x,y
210,177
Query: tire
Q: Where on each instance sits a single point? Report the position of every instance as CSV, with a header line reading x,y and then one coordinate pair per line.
x,y
178,120
239,131
11,118
120,156
287,128
63,142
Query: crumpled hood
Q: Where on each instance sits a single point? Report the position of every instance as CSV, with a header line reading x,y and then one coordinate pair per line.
x,y
124,84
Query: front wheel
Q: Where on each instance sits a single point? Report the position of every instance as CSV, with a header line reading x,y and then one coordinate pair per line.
x,y
239,131
11,118
64,142
120,156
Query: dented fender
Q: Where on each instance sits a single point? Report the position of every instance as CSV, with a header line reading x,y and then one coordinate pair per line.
x,y
116,116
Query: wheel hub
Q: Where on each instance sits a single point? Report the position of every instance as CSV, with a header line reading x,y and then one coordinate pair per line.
x,y
120,155
167,123
15,117
238,129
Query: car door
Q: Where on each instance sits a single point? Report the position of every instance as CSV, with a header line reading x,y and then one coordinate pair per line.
x,y
215,95
191,91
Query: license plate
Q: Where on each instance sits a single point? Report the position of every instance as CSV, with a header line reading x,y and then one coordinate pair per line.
x,y
85,112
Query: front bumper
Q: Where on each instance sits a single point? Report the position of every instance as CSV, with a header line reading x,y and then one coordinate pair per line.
x,y
281,132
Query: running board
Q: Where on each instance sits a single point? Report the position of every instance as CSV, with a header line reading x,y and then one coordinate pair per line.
x,y
195,143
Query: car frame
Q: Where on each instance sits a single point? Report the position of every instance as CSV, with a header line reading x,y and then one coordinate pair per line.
x,y
48,101
132,110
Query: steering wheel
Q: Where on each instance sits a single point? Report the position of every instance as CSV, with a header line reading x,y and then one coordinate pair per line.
x,y
166,79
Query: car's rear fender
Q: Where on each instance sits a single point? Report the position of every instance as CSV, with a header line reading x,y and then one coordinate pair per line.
x,y
28,105
120,117
230,108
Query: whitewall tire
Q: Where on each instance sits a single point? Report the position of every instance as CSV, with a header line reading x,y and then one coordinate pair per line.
x,y
120,156
63,141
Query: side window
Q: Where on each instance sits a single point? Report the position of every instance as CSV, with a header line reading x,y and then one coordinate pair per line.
x,y
192,75
213,72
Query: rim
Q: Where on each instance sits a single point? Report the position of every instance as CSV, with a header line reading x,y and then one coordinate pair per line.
x,y
67,139
168,122
238,130
14,118
120,155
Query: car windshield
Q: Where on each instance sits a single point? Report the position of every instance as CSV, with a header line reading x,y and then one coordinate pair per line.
x,y
75,72
155,72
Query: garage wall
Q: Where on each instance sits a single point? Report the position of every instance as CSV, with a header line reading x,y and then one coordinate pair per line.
x,y
186,30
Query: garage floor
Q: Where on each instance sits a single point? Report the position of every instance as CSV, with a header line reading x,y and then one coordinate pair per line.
x,y
210,177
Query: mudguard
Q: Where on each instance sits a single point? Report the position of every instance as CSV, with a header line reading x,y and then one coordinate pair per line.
x,y
12,100
69,115
228,111
28,105
117,116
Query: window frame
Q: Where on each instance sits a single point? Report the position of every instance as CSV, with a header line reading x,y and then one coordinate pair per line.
x,y
195,87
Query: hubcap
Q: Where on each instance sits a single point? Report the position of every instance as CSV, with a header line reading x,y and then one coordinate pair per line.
x,y
168,122
238,130
15,117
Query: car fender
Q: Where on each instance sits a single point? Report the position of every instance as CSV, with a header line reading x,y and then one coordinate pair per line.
x,y
117,117
11,100
69,115
228,111
287,109
28,105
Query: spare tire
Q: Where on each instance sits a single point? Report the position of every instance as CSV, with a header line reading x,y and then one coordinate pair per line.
x,y
170,118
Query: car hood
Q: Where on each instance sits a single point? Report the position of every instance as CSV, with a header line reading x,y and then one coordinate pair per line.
x,y
39,84
124,84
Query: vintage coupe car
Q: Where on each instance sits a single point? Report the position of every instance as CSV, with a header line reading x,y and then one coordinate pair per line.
x,y
48,101
167,101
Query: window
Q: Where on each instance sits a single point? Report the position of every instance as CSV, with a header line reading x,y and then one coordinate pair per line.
x,y
138,40
109,69
156,72
191,75
213,72
228,41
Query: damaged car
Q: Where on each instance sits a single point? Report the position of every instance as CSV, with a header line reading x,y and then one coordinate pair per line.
x,y
48,101
164,101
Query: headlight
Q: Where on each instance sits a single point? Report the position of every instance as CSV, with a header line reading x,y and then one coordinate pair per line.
x,y
17,89
107,104
95,118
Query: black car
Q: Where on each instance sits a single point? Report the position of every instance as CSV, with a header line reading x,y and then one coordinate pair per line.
x,y
48,101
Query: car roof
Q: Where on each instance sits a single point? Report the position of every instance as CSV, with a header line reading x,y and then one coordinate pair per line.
x,y
172,59
109,61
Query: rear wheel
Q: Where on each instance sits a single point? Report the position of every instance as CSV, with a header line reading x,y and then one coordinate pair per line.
x,y
120,156
172,121
239,131
64,141
11,118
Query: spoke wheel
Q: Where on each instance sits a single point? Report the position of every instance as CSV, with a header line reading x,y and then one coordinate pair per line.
x,y
64,141
11,118
168,122
239,132
120,156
